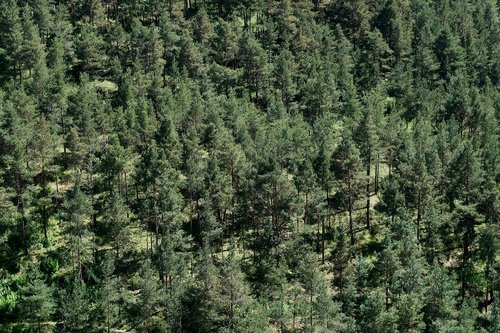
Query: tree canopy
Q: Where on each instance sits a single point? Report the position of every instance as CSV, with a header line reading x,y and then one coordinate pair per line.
x,y
249,166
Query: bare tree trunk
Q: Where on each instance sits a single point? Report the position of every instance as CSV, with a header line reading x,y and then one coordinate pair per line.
x,y
323,240
419,214
368,168
349,194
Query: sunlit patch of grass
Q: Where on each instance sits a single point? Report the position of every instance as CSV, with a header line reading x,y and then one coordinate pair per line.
x,y
106,85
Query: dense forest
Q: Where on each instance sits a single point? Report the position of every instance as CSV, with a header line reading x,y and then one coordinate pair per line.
x,y
249,166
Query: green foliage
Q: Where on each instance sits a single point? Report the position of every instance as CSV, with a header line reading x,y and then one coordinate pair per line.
x,y
37,304
249,166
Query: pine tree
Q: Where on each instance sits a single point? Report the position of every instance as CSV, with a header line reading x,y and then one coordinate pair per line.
x,y
108,307
488,248
409,317
284,76
320,91
346,166
174,258
152,167
234,293
203,298
434,220
37,304
151,297
324,127
75,308
219,189
388,266
465,180
276,293
194,166
439,298
353,16
285,26
43,18
224,43
391,199
12,38
17,136
94,10
408,279
113,166
44,146
449,53
147,47
40,86
57,86
424,58
253,60
89,50
465,322
190,57
375,317
372,59
391,23
368,138
321,312
340,256
252,317
78,218
32,48
168,139
465,218
117,222
202,27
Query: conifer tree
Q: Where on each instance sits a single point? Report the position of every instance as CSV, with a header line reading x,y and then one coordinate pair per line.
x,y
249,166
44,147
285,78
369,139
12,38
108,307
375,317
75,307
204,297
439,296
340,256
346,165
78,211
116,220
89,50
32,48
234,292
37,304
253,60
151,297
224,42
17,136
488,248
202,27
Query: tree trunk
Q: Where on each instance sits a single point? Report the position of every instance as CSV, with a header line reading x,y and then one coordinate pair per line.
x,y
386,287
419,215
45,222
311,307
323,240
465,258
368,167
349,194
22,213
